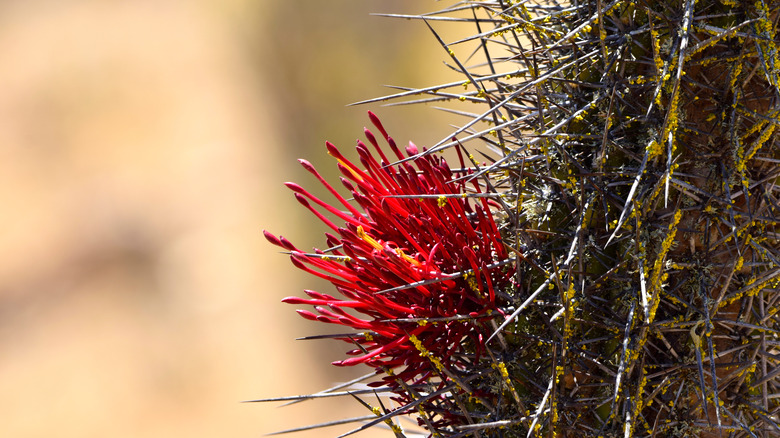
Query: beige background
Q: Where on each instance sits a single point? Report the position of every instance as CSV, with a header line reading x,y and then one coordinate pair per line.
x,y
143,147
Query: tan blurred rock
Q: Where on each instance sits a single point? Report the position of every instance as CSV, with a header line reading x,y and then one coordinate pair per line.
x,y
132,268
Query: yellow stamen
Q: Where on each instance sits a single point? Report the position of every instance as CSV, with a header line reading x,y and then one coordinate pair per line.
x,y
406,257
348,167
362,234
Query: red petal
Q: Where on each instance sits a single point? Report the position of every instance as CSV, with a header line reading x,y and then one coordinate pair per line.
x,y
306,314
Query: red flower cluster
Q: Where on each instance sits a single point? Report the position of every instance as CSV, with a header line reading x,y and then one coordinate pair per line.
x,y
417,257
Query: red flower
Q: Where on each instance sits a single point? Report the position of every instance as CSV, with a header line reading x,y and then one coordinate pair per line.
x,y
416,257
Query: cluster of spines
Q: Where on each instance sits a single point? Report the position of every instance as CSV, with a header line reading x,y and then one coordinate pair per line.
x,y
634,145
661,184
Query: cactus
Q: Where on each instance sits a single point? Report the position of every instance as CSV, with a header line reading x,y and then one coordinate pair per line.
x,y
608,267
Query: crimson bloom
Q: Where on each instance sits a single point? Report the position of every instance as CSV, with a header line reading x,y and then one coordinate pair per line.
x,y
417,262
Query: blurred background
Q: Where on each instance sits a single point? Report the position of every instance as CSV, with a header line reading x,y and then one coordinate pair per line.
x,y
143,147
